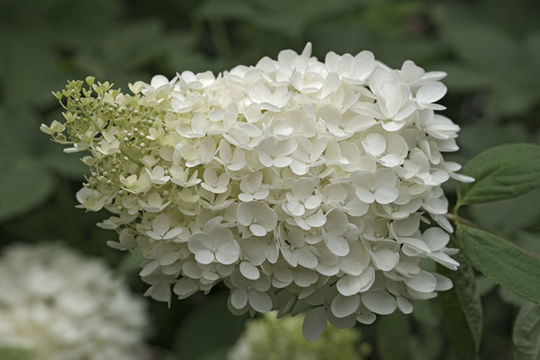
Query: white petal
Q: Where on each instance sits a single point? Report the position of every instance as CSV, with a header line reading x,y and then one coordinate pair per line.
x,y
239,298
364,195
343,306
299,168
374,144
356,207
185,287
346,322
305,278
404,305
366,319
436,238
158,81
336,222
159,292
244,214
316,220
161,224
169,258
204,256
406,227
172,233
385,178
443,283
257,230
386,195
423,282
350,285
337,244
228,253
380,302
260,301
149,268
335,192
191,269
430,93
306,258
445,260
385,259
416,244
210,176
295,208
462,178
313,202
245,197
249,271
314,324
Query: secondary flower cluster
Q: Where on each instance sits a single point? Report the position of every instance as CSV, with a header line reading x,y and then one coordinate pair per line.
x,y
62,306
280,339
298,183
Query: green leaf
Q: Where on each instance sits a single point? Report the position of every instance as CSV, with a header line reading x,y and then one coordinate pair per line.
x,y
463,309
502,261
23,185
526,335
14,353
391,330
501,172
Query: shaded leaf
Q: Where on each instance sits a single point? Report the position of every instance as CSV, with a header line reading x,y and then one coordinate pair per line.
x,y
501,172
526,335
502,261
23,185
463,309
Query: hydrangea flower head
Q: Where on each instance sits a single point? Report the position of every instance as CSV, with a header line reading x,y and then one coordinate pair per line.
x,y
60,305
298,183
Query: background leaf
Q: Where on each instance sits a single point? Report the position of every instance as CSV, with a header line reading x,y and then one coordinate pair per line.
x,y
23,185
526,336
501,261
501,172
463,309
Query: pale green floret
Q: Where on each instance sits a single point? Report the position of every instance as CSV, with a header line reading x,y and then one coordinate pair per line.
x,y
270,338
124,134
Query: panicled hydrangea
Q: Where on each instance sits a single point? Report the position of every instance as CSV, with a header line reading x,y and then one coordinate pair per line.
x,y
62,306
299,184
268,337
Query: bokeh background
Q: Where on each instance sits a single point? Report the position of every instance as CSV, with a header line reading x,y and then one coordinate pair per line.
x,y
490,49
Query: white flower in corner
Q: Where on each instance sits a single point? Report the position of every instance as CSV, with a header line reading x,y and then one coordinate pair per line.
x,y
296,183
60,305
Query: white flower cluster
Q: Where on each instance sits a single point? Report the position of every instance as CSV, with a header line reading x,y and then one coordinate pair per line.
x,y
298,183
62,306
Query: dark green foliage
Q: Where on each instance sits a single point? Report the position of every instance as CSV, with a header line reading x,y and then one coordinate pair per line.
x,y
501,172
502,261
490,49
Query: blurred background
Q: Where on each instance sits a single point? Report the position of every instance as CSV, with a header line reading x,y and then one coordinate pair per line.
x,y
490,49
